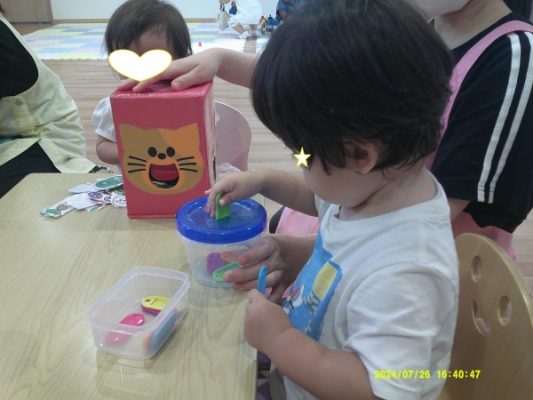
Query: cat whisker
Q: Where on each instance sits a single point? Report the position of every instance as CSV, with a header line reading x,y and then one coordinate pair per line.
x,y
137,170
185,158
189,163
187,169
137,158
137,164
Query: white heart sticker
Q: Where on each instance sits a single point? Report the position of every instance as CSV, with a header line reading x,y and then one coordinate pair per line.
x,y
150,64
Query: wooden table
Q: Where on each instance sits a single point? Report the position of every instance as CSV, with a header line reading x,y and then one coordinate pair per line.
x,y
53,270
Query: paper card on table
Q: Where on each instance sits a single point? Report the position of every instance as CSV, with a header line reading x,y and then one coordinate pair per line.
x,y
83,188
118,199
57,210
80,201
95,207
109,183
99,197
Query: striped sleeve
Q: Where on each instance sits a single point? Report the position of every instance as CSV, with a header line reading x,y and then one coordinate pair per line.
x,y
486,154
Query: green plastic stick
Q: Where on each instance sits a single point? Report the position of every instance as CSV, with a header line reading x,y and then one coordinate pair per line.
x,y
221,212
218,274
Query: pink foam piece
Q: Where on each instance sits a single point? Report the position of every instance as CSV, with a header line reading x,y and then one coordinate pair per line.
x,y
134,319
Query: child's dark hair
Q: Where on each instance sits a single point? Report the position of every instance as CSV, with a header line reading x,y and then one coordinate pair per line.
x,y
354,71
136,17
522,7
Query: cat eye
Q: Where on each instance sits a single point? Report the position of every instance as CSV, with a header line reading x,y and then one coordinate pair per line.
x,y
152,152
171,152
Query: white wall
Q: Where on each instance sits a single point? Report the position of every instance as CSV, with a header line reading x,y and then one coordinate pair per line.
x,y
102,9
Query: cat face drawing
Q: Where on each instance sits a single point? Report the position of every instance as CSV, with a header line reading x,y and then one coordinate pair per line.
x,y
162,161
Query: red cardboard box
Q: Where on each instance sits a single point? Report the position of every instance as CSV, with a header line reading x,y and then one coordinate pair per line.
x,y
166,146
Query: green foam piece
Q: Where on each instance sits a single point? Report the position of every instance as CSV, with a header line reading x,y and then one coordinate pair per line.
x,y
218,274
221,212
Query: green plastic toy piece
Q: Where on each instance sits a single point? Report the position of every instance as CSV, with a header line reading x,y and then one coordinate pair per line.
x,y
218,274
221,212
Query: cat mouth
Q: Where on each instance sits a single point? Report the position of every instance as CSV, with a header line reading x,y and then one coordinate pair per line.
x,y
164,176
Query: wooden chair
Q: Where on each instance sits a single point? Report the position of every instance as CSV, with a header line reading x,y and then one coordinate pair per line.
x,y
494,331
233,137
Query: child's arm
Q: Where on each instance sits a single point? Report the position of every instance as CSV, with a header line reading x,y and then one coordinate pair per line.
x,y
327,374
232,66
282,187
107,151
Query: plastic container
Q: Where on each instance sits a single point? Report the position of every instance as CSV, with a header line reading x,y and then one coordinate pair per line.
x,y
124,300
213,245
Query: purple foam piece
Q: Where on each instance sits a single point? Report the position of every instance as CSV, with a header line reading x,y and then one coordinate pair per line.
x,y
149,310
214,262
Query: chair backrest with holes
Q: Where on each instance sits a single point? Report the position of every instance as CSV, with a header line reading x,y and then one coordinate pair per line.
x,y
494,333
233,136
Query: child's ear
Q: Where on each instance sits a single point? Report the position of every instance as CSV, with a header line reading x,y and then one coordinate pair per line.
x,y
362,157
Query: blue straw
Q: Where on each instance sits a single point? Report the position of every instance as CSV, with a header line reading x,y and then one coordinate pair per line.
x,y
262,280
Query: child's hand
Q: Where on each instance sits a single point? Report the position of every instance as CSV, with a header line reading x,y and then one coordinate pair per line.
x,y
184,72
235,187
264,321
266,252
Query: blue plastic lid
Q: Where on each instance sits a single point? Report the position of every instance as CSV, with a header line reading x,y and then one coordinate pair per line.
x,y
247,219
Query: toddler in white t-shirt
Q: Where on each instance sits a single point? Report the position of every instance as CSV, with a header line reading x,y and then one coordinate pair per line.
x,y
372,307
139,26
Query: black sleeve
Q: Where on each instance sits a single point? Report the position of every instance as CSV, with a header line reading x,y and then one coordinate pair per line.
x,y
486,154
18,71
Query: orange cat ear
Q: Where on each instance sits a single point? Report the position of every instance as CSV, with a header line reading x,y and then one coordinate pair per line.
x,y
189,135
126,129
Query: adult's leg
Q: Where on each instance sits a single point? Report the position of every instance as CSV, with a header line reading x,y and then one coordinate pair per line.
x,y
239,28
253,30
32,160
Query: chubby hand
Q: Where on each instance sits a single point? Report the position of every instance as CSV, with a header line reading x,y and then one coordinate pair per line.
x,y
235,187
183,73
264,321
266,252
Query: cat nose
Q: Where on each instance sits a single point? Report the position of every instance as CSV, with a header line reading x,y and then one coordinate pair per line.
x,y
161,156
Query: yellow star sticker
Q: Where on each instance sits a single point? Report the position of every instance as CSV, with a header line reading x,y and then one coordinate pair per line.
x,y
302,158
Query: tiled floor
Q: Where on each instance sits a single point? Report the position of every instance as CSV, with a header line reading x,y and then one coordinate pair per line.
x,y
84,41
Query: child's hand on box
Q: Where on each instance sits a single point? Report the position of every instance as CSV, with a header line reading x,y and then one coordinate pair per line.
x,y
264,322
235,187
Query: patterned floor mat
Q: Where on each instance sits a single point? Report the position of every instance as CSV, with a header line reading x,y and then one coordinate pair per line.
x,y
85,41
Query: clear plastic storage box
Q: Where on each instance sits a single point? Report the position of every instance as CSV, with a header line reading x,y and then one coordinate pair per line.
x,y
143,331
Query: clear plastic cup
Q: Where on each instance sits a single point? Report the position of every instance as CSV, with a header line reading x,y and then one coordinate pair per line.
x,y
212,245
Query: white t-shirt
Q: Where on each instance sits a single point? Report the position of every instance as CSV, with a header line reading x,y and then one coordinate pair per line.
x,y
248,12
102,120
386,289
